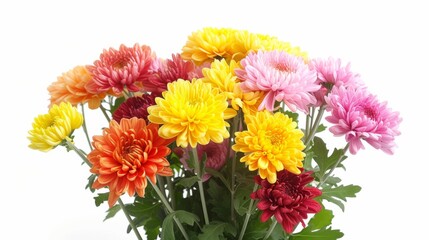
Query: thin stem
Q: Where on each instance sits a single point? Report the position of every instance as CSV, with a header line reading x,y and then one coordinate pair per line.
x,y
315,126
200,185
169,209
325,177
85,129
171,192
79,152
104,111
127,215
271,229
235,124
248,213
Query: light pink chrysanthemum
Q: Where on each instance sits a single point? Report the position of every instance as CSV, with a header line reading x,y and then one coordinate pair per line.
x,y
121,69
359,115
164,71
330,73
283,77
215,153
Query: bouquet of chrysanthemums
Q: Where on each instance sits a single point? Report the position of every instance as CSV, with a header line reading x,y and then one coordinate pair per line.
x,y
221,141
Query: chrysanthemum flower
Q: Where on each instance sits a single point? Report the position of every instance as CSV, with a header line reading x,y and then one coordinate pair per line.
x,y
164,71
246,42
50,129
134,107
330,73
289,199
119,69
283,77
215,156
125,155
271,143
208,44
71,87
221,75
358,115
192,112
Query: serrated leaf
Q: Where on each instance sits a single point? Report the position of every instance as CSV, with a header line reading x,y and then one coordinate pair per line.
x,y
322,159
213,231
102,197
188,181
334,194
168,223
320,220
322,234
320,128
111,212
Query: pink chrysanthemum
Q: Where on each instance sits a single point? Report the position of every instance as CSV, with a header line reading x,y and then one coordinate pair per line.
x,y
283,77
134,107
164,71
289,199
215,153
121,69
358,115
330,73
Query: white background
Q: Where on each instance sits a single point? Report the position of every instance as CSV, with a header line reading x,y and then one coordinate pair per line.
x,y
42,194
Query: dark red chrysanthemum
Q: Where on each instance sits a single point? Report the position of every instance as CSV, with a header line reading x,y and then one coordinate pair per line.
x,y
289,199
164,71
134,107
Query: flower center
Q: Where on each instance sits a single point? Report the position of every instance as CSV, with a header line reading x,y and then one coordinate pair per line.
x,y
371,113
283,67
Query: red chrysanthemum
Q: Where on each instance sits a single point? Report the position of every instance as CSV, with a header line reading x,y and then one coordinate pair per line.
x,y
289,199
121,69
126,154
164,71
134,107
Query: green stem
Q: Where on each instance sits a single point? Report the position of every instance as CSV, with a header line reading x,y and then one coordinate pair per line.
x,y
170,187
104,111
127,215
200,185
235,125
79,152
169,209
85,129
248,213
271,229
315,126
325,177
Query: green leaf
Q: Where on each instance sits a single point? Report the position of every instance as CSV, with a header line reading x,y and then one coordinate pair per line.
x,y
111,212
168,223
320,220
322,159
334,194
102,197
322,234
215,231
320,128
188,181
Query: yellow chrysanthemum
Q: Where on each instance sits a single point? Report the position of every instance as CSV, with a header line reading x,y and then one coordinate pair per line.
x,y
192,112
50,129
208,44
271,143
246,42
221,75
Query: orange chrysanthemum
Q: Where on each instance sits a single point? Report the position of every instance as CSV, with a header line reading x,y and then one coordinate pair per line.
x,y
126,154
71,87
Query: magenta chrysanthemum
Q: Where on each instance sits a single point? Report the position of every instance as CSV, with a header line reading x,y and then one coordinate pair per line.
x,y
283,77
215,156
358,115
134,107
121,69
289,199
330,73
164,71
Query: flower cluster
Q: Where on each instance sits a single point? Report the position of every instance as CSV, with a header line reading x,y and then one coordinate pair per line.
x,y
221,141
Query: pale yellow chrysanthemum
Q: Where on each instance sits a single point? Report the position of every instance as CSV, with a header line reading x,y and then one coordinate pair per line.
x,y
246,42
192,112
271,143
208,44
50,129
221,75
